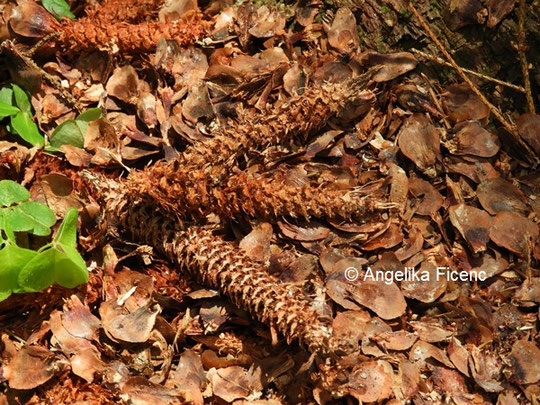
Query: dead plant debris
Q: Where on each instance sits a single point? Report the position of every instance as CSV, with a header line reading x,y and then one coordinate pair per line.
x,y
281,203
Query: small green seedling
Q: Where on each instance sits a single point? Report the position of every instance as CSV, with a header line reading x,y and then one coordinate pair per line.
x,y
15,103
58,8
24,270
71,132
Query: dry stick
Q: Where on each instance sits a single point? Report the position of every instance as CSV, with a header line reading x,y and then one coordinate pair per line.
x,y
440,61
523,58
509,127
436,101
40,43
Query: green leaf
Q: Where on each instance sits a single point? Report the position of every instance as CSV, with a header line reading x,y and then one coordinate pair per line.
x,y
4,295
31,217
66,268
69,132
7,110
6,95
27,129
52,149
58,8
67,233
13,259
39,273
89,115
5,226
72,273
22,99
12,192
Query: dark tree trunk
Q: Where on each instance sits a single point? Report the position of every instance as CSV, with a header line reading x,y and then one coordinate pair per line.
x,y
469,34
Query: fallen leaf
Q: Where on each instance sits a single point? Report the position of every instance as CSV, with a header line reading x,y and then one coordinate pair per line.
x,y
421,351
419,141
134,327
31,367
463,12
189,377
485,369
389,238
525,359
472,139
371,381
428,289
257,243
459,356
410,378
473,224
497,195
398,340
497,10
342,34
139,390
514,232
461,104
386,300
528,126
267,23
124,84
310,232
392,65
430,332
529,291
430,199
31,20
236,382
448,380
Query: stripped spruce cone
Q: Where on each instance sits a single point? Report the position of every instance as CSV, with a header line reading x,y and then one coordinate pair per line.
x,y
223,266
294,119
89,35
192,195
130,11
206,164
263,196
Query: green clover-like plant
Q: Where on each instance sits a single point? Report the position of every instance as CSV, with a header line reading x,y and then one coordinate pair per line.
x,y
15,103
71,132
58,8
25,270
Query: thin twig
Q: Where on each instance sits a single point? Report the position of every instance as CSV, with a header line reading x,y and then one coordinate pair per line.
x,y
54,81
509,127
440,61
40,43
436,101
494,110
521,47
